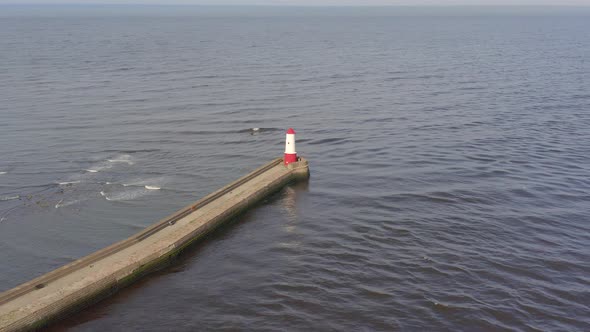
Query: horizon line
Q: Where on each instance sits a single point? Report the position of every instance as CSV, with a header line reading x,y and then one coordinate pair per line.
x,y
288,5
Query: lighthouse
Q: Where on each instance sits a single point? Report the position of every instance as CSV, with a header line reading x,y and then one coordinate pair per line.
x,y
290,154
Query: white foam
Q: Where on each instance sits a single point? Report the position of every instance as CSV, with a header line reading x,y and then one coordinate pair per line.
x,y
126,195
97,167
255,129
142,186
65,183
103,194
2,173
9,198
124,158
64,204
128,162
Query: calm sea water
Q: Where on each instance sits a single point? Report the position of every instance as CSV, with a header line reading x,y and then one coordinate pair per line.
x,y
449,151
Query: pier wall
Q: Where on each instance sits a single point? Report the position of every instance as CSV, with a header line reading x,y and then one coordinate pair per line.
x,y
85,281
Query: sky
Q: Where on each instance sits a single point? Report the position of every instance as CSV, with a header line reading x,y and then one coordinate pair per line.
x,y
309,2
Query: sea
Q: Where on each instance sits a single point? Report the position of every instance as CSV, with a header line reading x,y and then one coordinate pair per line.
x,y
449,150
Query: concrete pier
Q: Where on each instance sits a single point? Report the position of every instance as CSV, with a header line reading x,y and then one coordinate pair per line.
x,y
85,281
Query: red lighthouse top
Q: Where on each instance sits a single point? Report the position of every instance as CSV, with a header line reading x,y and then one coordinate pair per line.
x,y
291,131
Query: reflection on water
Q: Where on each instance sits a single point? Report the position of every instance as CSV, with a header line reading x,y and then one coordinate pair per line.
x,y
289,199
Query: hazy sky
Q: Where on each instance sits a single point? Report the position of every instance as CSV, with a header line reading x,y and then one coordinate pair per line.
x,y
311,2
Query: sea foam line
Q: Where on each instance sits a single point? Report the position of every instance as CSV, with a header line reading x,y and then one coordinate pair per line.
x,y
102,193
128,162
65,183
61,203
126,195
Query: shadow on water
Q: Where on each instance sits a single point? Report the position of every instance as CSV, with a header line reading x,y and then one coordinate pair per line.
x,y
286,197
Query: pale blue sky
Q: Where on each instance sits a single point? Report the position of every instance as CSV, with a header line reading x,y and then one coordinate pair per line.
x,y
309,2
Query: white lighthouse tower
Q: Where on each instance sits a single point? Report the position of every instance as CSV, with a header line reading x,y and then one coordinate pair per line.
x,y
290,154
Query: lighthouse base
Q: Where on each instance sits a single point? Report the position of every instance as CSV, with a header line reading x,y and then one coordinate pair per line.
x,y
290,158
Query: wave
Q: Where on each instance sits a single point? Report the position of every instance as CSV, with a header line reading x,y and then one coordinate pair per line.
x,y
240,131
120,161
257,130
61,203
67,183
339,140
152,183
132,151
126,159
9,198
126,195
108,163
149,187
2,173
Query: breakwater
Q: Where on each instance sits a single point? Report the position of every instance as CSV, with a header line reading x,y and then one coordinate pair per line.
x,y
91,278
